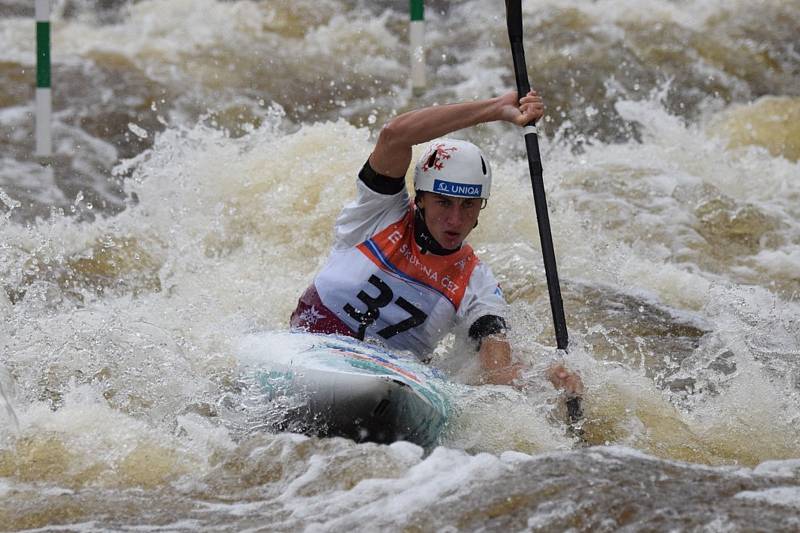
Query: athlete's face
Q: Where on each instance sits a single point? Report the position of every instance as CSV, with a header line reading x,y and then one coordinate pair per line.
x,y
449,218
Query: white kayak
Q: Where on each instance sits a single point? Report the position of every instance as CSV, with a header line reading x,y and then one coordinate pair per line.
x,y
347,388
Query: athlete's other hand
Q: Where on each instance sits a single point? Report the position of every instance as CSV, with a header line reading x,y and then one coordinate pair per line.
x,y
561,378
529,108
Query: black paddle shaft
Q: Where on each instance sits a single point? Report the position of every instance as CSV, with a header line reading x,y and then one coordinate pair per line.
x,y
514,20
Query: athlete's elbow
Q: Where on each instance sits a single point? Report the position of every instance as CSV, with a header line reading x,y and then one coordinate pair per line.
x,y
394,134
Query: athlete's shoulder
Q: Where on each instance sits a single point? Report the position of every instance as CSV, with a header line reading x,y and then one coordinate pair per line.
x,y
483,281
482,271
367,215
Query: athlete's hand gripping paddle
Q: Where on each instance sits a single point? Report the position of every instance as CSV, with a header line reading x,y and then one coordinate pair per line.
x,y
514,21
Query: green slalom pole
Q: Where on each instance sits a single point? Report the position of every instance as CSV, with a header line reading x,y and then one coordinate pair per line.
x,y
44,142
416,38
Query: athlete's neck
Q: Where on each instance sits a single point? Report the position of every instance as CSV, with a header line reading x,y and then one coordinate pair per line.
x,y
424,238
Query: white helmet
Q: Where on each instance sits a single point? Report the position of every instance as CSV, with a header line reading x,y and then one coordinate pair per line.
x,y
453,168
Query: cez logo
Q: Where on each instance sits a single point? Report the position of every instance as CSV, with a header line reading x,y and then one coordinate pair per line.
x,y
457,189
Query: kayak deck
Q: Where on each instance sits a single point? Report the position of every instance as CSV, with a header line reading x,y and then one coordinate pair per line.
x,y
347,388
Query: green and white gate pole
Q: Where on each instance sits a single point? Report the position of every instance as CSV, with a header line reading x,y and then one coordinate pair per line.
x,y
416,38
44,140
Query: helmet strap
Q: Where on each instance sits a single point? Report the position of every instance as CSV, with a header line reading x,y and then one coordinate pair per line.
x,y
424,239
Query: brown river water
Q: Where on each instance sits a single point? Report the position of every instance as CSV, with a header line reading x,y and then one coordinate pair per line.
x,y
203,149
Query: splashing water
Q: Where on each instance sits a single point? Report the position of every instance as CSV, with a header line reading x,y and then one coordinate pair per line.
x,y
192,198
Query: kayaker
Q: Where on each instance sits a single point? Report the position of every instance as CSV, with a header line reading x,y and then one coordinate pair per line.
x,y
400,271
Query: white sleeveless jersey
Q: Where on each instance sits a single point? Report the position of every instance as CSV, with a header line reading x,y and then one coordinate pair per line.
x,y
379,284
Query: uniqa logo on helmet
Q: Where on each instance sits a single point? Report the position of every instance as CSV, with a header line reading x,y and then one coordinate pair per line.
x,y
457,189
453,168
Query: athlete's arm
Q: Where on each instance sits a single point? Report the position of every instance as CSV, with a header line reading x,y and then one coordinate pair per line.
x,y
495,358
499,369
392,153
494,354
